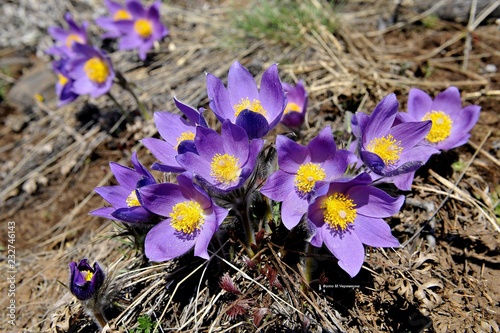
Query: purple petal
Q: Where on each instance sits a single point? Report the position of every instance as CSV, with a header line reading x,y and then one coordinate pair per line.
x,y
125,176
208,143
196,164
253,123
374,202
464,120
241,84
205,236
347,248
291,155
160,198
272,96
292,209
278,185
219,99
448,101
103,212
132,215
381,119
419,103
163,243
411,133
163,151
136,9
234,140
322,146
374,232
115,195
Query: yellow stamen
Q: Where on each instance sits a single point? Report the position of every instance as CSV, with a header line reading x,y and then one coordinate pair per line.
x,y
73,38
441,126
87,275
143,27
62,79
225,168
292,107
307,176
132,200
340,211
388,148
121,14
96,69
254,106
188,135
187,217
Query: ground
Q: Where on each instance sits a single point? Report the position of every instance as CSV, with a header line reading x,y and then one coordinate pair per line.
x,y
442,279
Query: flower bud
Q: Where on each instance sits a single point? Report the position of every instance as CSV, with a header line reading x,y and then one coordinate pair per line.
x,y
85,281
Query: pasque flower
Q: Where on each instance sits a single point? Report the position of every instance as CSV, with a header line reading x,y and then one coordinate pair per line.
x,y
301,170
118,13
143,30
390,150
91,70
178,136
256,111
85,280
350,214
295,110
223,161
191,219
125,205
65,39
451,123
64,84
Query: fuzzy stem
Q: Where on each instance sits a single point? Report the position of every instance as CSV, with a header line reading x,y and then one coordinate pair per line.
x,y
122,81
308,265
250,234
98,316
118,105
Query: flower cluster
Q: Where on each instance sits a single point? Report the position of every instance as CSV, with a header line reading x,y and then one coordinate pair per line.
x,y
85,69
330,191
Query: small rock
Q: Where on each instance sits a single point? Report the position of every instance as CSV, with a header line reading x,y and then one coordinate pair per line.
x,y
490,68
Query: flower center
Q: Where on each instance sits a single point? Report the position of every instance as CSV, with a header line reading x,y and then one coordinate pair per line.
x,y
62,79
187,217
340,211
87,275
307,176
224,168
72,38
132,200
292,107
188,135
388,148
121,14
253,106
143,27
96,70
441,126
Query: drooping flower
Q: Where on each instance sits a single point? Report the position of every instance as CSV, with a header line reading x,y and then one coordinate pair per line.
x,y
118,13
301,170
350,214
256,111
65,39
295,110
224,161
178,136
64,84
192,219
390,150
125,205
143,30
91,70
451,123
85,281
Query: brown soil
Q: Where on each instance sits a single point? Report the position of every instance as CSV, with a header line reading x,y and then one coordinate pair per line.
x,y
444,279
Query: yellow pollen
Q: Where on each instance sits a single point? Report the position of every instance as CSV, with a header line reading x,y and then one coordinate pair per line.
x,y
340,211
96,70
143,27
307,176
87,275
188,135
121,14
292,107
72,38
387,148
62,79
441,126
225,168
254,106
132,200
187,217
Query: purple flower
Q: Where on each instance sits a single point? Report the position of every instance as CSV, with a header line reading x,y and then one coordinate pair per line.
x,y
91,71
451,123
65,39
143,30
257,112
192,219
85,281
64,84
118,13
295,110
178,136
348,215
302,170
224,161
123,197
390,150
